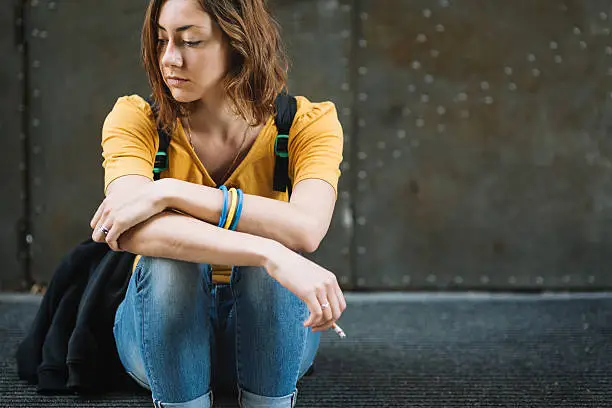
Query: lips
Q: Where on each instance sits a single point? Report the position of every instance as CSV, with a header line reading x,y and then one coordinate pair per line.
x,y
176,81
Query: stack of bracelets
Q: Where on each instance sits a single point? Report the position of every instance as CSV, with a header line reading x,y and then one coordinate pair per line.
x,y
232,208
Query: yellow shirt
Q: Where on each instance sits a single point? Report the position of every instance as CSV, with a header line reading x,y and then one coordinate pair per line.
x,y
130,142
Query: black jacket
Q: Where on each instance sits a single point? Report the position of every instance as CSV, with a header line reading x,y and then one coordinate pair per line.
x,y
70,346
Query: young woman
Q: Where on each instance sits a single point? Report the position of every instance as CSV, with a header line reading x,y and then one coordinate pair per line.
x,y
189,326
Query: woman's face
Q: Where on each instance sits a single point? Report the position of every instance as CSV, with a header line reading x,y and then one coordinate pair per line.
x,y
193,53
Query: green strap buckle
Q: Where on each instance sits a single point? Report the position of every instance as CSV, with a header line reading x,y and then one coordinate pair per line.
x,y
161,162
284,146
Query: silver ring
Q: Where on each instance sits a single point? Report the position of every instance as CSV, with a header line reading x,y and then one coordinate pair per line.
x,y
104,230
325,305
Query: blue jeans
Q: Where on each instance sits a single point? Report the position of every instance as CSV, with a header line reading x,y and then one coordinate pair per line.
x,y
185,338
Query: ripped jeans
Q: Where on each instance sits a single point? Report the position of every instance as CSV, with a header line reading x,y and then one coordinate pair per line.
x,y
185,338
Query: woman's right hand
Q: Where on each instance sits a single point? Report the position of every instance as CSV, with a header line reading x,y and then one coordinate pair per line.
x,y
313,284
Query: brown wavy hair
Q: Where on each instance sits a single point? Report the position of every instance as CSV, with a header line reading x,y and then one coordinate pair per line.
x,y
258,62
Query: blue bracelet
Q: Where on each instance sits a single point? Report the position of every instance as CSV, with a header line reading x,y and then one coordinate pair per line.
x,y
238,210
225,205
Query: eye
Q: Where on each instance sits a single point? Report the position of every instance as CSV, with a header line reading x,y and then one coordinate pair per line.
x,y
192,43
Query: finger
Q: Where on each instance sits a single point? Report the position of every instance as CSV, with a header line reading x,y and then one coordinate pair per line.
x,y
97,234
97,215
113,235
327,311
323,327
341,299
334,303
315,310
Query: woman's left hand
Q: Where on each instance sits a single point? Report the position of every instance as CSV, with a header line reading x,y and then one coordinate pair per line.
x,y
118,214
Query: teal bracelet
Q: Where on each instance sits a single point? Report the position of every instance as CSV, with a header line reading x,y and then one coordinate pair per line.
x,y
238,210
225,206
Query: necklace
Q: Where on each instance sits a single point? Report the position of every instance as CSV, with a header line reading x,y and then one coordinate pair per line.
x,y
231,167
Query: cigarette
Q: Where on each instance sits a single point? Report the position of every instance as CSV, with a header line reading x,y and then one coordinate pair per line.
x,y
339,331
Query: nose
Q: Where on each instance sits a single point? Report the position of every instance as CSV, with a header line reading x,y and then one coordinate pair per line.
x,y
172,56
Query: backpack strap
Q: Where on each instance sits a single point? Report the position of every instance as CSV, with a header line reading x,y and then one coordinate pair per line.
x,y
286,108
161,158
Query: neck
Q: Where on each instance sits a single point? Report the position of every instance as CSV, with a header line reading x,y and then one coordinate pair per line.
x,y
214,117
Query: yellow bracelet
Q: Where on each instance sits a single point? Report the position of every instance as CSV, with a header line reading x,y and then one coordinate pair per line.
x,y
232,211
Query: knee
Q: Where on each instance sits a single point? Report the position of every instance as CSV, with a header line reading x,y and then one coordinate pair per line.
x,y
172,284
255,286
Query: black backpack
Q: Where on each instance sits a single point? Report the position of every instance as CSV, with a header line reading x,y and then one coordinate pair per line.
x,y
286,108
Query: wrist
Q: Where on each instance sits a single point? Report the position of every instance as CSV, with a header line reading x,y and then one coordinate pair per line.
x,y
274,255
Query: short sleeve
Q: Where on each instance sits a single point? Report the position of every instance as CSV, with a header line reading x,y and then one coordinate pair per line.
x,y
129,140
315,150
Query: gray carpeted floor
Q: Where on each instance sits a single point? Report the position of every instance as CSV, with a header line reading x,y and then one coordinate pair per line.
x,y
420,351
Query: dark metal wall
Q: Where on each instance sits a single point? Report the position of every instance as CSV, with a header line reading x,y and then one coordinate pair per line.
x,y
11,162
477,149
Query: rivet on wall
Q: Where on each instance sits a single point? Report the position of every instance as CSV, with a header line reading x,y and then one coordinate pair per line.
x,y
36,150
381,145
431,278
583,45
361,250
484,280
52,5
363,97
444,3
344,251
415,143
577,31
406,279
397,154
364,16
20,76
416,65
591,279
427,13
362,156
363,43
407,112
346,111
440,28
465,114
35,122
361,282
458,280
22,166
512,86
558,59
420,122
34,3
462,97
540,280
346,86
380,164
345,166
362,175
603,16
566,279
531,58
508,70
361,123
429,79
484,85
345,195
608,50
536,72
346,8
363,70
512,280
421,38
441,110
29,239
441,128
401,134
434,53
488,100
36,64
411,88
361,221
344,279
36,93
553,45
43,34
345,34
35,32
37,181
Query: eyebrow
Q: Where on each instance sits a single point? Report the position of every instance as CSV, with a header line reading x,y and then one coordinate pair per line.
x,y
181,28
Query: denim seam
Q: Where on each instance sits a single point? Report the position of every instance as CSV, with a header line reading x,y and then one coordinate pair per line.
x,y
233,280
143,320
